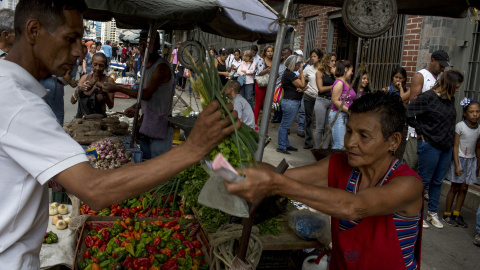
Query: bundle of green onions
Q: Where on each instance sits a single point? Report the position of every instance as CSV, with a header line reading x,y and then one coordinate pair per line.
x,y
241,146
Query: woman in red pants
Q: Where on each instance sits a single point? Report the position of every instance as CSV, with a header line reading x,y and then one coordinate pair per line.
x,y
263,71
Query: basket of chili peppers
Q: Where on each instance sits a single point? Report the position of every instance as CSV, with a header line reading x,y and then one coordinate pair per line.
x,y
144,244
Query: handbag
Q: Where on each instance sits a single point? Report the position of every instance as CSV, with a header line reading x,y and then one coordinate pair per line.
x,y
186,73
242,79
262,80
277,97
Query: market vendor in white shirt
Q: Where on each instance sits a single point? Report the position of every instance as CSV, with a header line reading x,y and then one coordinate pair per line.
x,y
35,149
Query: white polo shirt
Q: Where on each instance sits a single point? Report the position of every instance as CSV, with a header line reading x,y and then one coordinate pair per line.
x,y
33,149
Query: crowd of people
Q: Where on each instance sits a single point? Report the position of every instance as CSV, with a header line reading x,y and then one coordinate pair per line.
x,y
322,86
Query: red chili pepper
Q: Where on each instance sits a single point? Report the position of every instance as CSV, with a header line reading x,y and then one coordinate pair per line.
x,y
197,244
136,265
152,259
178,236
130,228
92,213
89,241
154,210
157,241
98,243
198,252
143,261
114,212
170,224
166,251
103,248
188,244
133,210
114,206
128,263
114,255
86,254
117,241
95,260
177,214
181,253
151,250
105,235
96,228
122,223
171,264
176,228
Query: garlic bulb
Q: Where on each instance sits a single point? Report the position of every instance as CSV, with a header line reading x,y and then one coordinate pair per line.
x,y
56,218
56,204
62,209
61,225
52,210
67,219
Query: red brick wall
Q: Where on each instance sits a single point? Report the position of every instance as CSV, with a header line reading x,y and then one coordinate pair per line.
x,y
307,11
411,45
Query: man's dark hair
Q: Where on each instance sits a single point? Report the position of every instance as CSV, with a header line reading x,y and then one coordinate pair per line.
x,y
230,50
48,12
235,86
254,48
388,107
288,50
6,20
98,44
101,55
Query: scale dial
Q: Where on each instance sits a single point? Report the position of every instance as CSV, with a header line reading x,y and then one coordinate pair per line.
x,y
195,49
369,18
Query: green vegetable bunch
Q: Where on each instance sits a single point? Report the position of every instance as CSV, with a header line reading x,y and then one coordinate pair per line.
x,y
209,87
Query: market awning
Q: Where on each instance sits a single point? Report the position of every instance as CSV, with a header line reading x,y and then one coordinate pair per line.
x,y
444,8
247,20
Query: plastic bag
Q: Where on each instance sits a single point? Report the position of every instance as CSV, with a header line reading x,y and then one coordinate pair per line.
x,y
310,225
215,195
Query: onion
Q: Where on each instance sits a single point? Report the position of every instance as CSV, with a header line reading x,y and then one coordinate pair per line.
x,y
56,204
62,209
67,219
52,210
56,218
61,225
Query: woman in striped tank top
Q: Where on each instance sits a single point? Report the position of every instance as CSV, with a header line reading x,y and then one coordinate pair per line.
x,y
375,201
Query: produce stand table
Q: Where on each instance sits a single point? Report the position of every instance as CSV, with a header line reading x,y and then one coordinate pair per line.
x,y
287,239
61,253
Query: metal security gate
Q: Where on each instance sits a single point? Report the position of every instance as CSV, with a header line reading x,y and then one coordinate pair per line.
x,y
383,54
472,80
310,36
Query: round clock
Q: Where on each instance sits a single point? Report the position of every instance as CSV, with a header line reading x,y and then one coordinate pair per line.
x,y
191,48
369,18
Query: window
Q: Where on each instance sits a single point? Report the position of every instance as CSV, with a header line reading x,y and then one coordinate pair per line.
x,y
383,54
472,81
310,35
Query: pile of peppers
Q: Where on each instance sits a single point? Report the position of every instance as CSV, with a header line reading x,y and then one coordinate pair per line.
x,y
133,244
139,208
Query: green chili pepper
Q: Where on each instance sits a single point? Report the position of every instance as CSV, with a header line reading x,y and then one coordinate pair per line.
x,y
137,226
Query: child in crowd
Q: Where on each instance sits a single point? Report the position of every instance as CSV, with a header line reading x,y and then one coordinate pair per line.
x,y
464,166
240,104
399,84
362,86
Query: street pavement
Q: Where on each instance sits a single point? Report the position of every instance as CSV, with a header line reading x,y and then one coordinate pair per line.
x,y
442,249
